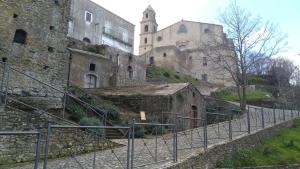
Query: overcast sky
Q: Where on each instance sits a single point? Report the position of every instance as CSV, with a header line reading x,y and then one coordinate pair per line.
x,y
285,13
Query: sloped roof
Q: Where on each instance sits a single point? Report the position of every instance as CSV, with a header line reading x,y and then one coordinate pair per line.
x,y
146,90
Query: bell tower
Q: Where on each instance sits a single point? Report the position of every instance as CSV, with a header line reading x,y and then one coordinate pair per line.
x,y
148,28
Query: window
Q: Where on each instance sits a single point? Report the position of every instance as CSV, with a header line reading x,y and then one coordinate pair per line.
x,y
15,15
86,40
204,61
90,81
204,77
146,28
107,27
4,59
92,67
165,54
125,36
182,29
88,17
151,60
159,38
130,59
130,72
146,15
145,40
20,36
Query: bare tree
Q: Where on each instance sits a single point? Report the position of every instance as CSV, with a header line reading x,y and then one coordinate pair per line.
x,y
251,41
282,70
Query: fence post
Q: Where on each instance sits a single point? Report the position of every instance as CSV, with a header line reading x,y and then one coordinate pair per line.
x,y
262,118
292,113
283,114
248,120
128,147
175,139
205,141
274,114
47,146
230,126
37,149
132,143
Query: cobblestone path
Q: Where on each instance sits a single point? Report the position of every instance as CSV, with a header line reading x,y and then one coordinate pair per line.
x,y
160,151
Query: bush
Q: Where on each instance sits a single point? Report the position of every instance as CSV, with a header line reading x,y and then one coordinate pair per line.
x,y
176,76
91,121
112,111
166,74
139,131
76,111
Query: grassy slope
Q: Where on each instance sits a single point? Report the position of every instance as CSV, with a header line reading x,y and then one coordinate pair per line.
x,y
251,95
170,76
279,150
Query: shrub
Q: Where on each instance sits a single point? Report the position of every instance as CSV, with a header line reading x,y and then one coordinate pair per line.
x,y
139,131
166,74
92,121
76,111
112,111
176,76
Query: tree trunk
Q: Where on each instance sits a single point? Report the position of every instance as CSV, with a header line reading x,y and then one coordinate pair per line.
x,y
243,99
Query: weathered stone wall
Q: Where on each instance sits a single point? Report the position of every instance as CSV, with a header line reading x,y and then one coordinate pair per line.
x,y
44,53
111,65
105,28
15,149
208,159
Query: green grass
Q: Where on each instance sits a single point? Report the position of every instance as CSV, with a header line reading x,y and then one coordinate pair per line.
x,y
282,149
170,76
232,96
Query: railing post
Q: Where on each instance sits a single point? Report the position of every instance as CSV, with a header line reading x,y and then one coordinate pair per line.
x,y
47,146
205,141
292,113
262,118
283,114
37,149
274,115
132,143
248,120
128,148
230,126
175,139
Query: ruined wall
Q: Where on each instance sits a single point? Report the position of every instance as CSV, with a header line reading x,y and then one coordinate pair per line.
x,y
43,54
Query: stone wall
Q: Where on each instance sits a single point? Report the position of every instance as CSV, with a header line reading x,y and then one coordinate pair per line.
x,y
15,149
105,27
43,55
208,159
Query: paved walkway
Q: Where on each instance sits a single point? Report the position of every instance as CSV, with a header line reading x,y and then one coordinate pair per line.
x,y
160,151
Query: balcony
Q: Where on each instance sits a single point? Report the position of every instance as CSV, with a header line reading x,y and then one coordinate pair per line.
x,y
118,36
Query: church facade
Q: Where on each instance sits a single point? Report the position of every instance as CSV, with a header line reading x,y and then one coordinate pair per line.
x,y
184,47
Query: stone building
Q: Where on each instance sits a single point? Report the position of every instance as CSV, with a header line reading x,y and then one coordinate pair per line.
x,y
33,41
93,24
158,100
183,46
95,66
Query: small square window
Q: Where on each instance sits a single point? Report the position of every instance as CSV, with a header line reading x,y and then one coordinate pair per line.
x,y
204,61
88,17
204,77
165,54
92,67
